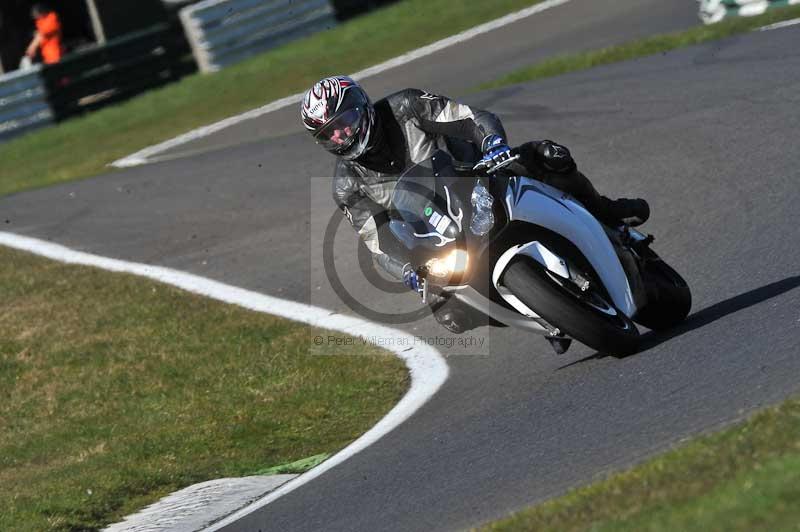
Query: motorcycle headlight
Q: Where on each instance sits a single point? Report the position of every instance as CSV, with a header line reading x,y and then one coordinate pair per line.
x,y
455,262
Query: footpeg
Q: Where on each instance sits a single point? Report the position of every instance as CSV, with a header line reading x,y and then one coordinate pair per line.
x,y
560,344
649,239
636,240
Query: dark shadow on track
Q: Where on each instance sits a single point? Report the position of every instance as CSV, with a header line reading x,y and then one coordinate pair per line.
x,y
707,315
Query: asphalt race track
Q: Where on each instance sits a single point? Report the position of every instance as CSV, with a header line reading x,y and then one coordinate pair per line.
x,y
578,25
707,134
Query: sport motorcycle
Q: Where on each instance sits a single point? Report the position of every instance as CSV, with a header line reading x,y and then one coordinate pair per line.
x,y
530,256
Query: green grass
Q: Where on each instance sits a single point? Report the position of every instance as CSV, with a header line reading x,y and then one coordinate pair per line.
x,y
115,391
84,146
296,467
744,478
640,48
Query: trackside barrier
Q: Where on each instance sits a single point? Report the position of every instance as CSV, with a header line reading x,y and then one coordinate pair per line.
x,y
223,32
89,79
712,11
23,102
119,69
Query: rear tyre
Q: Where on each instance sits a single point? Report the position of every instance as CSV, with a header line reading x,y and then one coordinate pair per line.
x,y
587,317
671,299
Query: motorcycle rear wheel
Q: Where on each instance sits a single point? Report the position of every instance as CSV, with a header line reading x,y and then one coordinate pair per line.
x,y
580,316
673,297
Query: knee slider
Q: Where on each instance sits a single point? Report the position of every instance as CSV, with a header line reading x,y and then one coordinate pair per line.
x,y
555,157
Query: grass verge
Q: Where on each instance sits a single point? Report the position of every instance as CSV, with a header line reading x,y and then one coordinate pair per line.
x,y
744,478
84,146
296,467
642,47
117,390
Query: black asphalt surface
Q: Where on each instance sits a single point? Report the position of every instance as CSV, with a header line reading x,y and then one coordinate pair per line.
x,y
707,134
576,26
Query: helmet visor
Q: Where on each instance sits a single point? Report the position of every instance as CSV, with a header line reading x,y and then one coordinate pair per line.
x,y
341,131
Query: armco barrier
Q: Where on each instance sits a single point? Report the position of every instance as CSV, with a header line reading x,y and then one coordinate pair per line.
x,y
23,102
712,11
222,32
90,79
115,71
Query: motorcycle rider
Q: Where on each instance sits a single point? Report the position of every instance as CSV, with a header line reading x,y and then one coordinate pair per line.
x,y
376,142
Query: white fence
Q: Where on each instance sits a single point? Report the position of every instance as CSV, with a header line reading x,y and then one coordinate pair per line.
x,y
23,102
223,32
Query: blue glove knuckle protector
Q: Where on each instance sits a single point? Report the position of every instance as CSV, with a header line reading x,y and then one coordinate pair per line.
x,y
495,152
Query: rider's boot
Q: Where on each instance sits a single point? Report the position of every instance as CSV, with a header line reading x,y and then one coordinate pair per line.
x,y
454,318
631,212
453,315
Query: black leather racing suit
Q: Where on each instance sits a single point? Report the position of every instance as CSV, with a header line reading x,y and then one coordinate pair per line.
x,y
410,126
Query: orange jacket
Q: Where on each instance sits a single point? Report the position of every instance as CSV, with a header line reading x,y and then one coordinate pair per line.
x,y
49,27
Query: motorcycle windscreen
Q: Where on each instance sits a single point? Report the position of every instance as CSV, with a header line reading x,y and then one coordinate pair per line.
x,y
423,204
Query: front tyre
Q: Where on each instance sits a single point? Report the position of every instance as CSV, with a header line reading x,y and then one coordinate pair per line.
x,y
586,317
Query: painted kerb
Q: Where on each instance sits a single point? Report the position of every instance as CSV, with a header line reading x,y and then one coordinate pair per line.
x,y
23,102
223,32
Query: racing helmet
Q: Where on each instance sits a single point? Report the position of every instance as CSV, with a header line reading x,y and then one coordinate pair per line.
x,y
338,113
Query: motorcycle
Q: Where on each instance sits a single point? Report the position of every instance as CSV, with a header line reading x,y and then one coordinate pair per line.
x,y
529,256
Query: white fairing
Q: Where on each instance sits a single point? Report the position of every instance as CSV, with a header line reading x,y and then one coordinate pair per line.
x,y
534,202
536,251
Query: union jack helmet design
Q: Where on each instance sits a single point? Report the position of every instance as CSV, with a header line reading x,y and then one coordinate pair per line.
x,y
338,113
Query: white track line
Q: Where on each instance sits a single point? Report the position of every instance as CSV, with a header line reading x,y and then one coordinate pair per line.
x,y
142,156
426,365
779,25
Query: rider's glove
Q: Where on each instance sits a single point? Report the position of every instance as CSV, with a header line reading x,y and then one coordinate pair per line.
x,y
411,279
496,154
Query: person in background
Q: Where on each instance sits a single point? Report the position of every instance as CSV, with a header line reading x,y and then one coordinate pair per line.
x,y
48,35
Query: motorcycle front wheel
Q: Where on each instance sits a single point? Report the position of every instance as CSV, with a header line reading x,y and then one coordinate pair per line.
x,y
584,316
